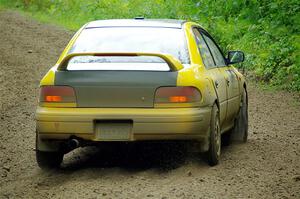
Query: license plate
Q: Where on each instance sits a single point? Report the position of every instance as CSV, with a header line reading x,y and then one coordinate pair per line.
x,y
113,131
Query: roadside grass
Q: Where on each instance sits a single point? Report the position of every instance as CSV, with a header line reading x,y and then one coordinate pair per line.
x,y
267,87
267,30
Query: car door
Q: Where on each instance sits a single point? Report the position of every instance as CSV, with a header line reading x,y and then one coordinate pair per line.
x,y
231,81
213,71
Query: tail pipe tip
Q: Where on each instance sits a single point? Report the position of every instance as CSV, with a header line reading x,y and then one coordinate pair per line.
x,y
73,143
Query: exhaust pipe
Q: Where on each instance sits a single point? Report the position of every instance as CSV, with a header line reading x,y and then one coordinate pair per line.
x,y
73,143
70,145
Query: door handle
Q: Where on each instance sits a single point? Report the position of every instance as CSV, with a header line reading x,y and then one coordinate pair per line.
x,y
228,82
217,84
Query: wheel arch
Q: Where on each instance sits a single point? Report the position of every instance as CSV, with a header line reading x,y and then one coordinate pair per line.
x,y
215,97
245,88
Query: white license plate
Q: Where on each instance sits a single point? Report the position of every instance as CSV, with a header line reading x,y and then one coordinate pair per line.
x,y
113,131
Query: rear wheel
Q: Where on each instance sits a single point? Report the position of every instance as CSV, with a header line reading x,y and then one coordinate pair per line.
x,y
240,129
48,160
214,151
226,138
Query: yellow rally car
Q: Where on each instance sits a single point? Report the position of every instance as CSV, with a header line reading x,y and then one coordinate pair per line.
x,y
139,80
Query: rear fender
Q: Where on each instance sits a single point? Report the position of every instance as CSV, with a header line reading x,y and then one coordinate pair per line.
x,y
195,76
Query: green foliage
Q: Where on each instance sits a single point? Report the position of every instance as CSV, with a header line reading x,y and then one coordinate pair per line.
x,y
266,30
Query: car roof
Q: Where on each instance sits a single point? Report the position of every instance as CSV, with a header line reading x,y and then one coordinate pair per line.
x,y
138,22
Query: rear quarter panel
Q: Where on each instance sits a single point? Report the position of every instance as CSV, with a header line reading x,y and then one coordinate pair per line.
x,y
196,75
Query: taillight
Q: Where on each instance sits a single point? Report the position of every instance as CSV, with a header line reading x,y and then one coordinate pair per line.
x,y
57,96
178,95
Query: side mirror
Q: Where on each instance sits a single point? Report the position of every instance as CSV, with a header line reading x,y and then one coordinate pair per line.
x,y
234,57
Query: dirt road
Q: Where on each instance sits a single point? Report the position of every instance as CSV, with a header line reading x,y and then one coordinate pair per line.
x,y
268,166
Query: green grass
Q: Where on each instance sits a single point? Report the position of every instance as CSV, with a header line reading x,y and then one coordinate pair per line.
x,y
266,30
267,87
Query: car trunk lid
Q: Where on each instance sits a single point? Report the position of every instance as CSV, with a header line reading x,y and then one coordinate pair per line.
x,y
115,88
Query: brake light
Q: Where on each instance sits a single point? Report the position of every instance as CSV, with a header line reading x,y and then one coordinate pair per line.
x,y
175,99
184,94
50,98
57,94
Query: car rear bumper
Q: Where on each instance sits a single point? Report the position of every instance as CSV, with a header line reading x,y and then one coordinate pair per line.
x,y
145,123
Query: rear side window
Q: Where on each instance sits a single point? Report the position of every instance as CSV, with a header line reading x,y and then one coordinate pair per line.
x,y
133,39
204,50
218,57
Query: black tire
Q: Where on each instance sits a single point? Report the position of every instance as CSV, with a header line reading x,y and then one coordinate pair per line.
x,y
214,151
49,160
240,129
226,138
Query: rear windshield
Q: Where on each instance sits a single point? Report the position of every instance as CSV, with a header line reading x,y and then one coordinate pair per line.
x,y
132,39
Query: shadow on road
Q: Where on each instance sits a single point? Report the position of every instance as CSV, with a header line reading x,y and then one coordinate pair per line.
x,y
162,156
131,156
124,160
